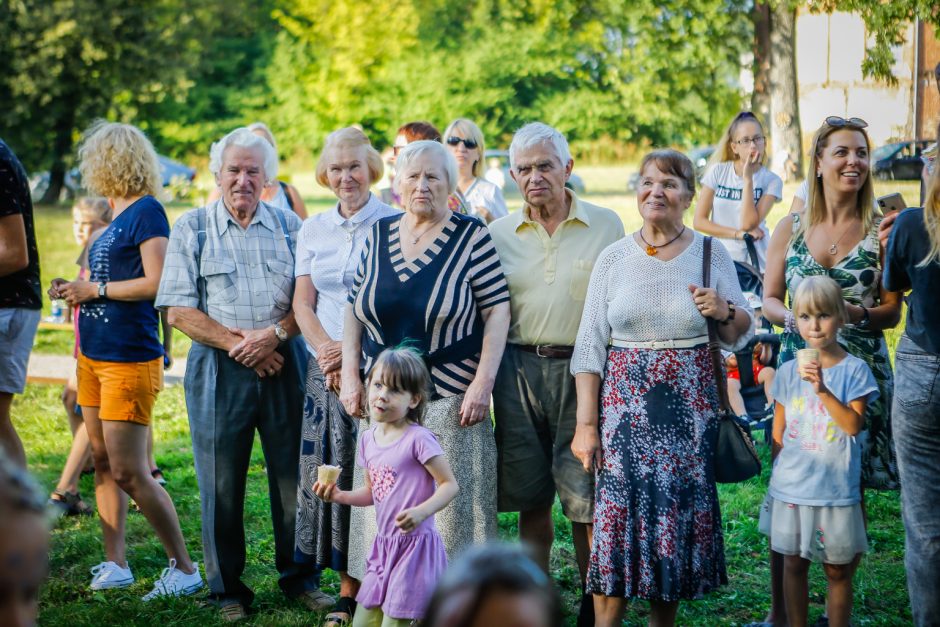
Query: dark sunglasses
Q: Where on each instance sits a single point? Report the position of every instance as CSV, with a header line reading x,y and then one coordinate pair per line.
x,y
836,122
469,143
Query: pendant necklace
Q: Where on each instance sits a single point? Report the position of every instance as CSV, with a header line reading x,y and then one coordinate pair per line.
x,y
652,250
415,238
834,249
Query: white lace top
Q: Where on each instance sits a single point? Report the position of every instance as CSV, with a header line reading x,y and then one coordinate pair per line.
x,y
635,297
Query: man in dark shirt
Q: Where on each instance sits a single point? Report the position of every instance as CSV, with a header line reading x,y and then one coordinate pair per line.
x,y
20,299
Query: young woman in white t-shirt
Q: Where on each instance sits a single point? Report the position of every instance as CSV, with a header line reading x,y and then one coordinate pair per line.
x,y
737,190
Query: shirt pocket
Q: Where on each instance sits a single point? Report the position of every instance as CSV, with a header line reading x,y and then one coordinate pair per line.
x,y
219,273
282,282
580,277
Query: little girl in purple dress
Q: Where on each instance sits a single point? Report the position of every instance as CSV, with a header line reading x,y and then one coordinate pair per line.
x,y
404,461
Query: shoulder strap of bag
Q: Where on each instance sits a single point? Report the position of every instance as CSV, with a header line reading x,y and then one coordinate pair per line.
x,y
752,252
713,349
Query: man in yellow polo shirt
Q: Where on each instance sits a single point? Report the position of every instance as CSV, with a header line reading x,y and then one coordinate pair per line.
x,y
547,251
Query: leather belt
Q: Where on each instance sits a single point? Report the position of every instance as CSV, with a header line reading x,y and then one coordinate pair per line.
x,y
548,351
658,345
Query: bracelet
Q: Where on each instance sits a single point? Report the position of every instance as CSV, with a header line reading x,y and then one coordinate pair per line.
x,y
865,321
789,322
731,312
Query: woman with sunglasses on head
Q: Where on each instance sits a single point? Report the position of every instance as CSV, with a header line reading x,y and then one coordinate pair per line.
x,y
837,235
737,190
465,141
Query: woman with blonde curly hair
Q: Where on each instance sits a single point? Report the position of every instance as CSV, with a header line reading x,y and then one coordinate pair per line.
x,y
120,360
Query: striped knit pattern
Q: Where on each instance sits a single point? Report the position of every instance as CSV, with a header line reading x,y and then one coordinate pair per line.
x,y
457,277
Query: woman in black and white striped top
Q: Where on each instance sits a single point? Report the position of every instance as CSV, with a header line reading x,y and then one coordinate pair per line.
x,y
432,278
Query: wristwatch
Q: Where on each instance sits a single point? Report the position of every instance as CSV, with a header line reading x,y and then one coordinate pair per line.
x,y
731,312
102,290
280,332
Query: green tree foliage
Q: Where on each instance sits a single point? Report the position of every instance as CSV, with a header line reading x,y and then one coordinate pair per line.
x,y
231,48
657,72
70,61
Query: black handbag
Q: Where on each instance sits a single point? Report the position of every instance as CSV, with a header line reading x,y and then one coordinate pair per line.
x,y
735,456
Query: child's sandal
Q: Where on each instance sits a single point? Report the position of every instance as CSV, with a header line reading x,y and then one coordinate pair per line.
x,y
69,504
342,613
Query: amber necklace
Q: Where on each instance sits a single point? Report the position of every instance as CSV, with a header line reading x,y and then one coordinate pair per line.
x,y
652,250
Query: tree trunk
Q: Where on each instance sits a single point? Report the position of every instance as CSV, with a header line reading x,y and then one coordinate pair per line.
x,y
784,91
61,146
760,97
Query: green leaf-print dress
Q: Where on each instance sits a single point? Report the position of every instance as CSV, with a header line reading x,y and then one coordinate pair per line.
x,y
859,276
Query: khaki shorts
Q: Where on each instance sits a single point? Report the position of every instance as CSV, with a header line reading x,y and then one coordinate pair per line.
x,y
123,391
535,403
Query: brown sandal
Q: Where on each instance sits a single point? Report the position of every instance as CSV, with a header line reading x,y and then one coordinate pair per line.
x,y
69,504
233,612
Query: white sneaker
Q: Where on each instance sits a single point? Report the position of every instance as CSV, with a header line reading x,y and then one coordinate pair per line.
x,y
174,583
110,575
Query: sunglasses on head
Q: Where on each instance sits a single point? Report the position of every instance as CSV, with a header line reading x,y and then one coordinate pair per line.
x,y
469,143
837,122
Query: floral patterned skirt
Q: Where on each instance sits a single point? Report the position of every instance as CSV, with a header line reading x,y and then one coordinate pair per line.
x,y
328,437
657,524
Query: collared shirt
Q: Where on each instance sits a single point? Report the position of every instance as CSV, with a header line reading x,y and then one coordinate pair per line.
x,y
248,271
548,275
329,248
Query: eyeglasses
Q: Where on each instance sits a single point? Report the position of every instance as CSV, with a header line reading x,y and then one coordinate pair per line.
x,y
469,143
836,122
744,141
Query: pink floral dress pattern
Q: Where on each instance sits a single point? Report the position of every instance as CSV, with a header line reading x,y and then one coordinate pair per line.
x,y
383,480
657,523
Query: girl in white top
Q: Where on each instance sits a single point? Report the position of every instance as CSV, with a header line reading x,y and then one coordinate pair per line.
x,y
813,510
737,190
465,141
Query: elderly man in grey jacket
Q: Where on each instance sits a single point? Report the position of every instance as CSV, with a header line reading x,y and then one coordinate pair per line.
x,y
227,283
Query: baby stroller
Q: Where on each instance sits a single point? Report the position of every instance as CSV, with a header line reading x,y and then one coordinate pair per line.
x,y
751,280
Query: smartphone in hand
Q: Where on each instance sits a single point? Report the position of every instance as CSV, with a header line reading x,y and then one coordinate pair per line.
x,y
891,203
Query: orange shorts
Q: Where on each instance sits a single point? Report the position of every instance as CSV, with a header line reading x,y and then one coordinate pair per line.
x,y
123,391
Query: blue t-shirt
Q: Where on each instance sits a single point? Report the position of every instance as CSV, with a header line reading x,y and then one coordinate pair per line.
x,y
907,247
124,331
819,464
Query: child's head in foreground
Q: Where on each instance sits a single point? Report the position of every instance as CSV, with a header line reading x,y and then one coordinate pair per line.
x,y
24,545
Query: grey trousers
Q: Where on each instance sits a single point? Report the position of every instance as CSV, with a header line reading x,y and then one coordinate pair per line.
x,y
227,402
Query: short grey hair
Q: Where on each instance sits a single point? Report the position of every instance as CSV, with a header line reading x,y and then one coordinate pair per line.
x,y
437,151
244,138
535,133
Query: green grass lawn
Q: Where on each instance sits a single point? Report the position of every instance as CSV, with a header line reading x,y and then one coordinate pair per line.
x,y
880,591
